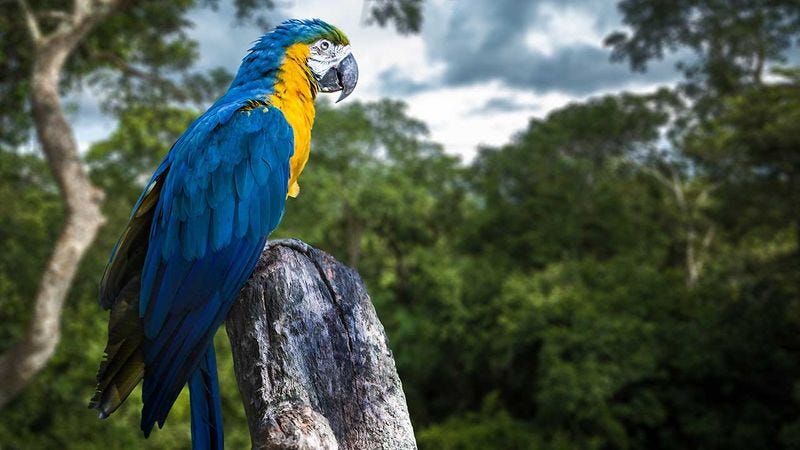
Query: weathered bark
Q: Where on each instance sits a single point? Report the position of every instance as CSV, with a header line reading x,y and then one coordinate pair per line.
x,y
81,199
311,357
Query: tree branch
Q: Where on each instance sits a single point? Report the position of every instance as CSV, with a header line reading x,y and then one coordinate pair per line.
x,y
311,358
30,21
696,255
60,16
83,217
128,68
80,9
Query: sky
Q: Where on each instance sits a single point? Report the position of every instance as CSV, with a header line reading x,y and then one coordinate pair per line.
x,y
476,73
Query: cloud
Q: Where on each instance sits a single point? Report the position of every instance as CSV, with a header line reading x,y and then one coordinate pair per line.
x,y
503,105
476,74
90,123
223,41
394,81
544,45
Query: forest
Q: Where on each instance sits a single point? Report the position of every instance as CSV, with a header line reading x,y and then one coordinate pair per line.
x,y
623,273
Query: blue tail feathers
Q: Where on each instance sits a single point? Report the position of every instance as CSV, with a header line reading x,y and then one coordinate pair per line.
x,y
206,404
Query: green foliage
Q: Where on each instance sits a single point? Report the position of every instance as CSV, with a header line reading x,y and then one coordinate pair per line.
x,y
136,147
15,119
52,412
751,151
491,427
733,42
535,299
141,54
406,14
579,156
31,209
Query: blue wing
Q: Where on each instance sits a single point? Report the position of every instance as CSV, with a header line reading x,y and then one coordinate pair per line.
x,y
223,191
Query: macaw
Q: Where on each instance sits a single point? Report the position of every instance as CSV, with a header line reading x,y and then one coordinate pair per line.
x,y
198,228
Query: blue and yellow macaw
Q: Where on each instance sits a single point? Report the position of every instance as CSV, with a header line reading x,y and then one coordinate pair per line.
x,y
196,232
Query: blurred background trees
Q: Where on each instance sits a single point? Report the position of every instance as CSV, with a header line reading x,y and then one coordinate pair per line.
x,y
623,273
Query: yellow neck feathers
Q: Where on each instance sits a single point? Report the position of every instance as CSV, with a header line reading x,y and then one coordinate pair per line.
x,y
294,96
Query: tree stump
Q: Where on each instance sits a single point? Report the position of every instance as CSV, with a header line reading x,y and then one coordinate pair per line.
x,y
311,358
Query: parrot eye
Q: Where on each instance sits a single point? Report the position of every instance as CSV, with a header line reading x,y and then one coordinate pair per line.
x,y
324,44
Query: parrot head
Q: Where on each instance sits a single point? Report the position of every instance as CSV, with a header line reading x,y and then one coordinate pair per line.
x,y
332,64
321,48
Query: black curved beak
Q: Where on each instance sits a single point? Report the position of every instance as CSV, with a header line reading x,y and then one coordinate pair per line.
x,y
343,77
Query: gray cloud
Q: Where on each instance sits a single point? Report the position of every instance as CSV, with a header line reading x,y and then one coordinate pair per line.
x,y
483,41
223,40
90,123
503,104
394,81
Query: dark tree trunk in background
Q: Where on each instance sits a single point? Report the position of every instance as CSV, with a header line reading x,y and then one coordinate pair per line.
x,y
311,357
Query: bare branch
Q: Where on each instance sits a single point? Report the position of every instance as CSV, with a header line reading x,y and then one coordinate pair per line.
x,y
127,67
30,20
696,253
657,175
705,193
80,8
60,16
673,183
677,189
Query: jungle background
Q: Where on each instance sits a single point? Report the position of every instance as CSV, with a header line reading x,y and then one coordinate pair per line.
x,y
623,273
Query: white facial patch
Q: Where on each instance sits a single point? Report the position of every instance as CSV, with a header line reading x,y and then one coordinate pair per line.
x,y
323,55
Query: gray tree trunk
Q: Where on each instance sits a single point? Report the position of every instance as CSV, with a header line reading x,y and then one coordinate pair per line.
x,y
311,358
82,215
